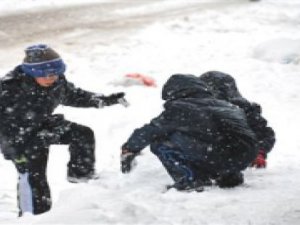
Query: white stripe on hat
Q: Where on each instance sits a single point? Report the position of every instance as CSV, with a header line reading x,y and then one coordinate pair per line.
x,y
34,47
40,63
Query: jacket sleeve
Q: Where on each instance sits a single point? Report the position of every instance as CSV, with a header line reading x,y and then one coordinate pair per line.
x,y
77,97
10,135
146,135
264,133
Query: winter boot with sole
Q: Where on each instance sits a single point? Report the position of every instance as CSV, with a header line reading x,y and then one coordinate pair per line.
x,y
230,180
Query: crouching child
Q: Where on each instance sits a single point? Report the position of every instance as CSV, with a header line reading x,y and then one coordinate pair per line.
x,y
197,137
225,88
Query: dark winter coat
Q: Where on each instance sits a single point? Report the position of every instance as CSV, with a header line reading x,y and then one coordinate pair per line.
x,y
193,119
26,106
224,87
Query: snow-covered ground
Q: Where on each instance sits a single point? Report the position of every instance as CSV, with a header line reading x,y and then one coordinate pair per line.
x,y
17,6
257,42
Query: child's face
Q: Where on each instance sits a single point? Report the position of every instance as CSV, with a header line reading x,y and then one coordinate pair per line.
x,y
46,81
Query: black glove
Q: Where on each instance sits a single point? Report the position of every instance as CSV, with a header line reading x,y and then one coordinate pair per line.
x,y
127,161
112,99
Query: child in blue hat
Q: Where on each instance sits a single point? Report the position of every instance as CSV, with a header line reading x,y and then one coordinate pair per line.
x,y
28,97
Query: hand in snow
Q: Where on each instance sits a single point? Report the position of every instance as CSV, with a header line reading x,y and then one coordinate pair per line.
x,y
260,161
127,161
116,98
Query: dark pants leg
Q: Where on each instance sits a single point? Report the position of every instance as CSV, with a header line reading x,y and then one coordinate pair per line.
x,y
33,190
174,162
81,142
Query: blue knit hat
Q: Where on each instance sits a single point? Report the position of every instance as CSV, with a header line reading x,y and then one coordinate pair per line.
x,y
41,60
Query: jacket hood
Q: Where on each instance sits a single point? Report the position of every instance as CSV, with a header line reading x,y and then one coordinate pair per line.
x,y
221,84
184,86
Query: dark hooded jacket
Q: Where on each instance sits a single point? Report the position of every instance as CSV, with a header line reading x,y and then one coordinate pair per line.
x,y
193,120
224,87
25,107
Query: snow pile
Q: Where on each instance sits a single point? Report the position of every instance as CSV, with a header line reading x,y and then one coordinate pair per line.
x,y
283,51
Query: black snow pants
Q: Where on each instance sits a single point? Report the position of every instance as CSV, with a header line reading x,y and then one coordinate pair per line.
x,y
33,189
203,162
179,165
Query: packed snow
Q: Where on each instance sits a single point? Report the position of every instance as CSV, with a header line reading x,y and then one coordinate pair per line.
x,y
256,42
279,50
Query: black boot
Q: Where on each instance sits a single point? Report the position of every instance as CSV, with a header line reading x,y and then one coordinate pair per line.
x,y
72,178
230,180
188,186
